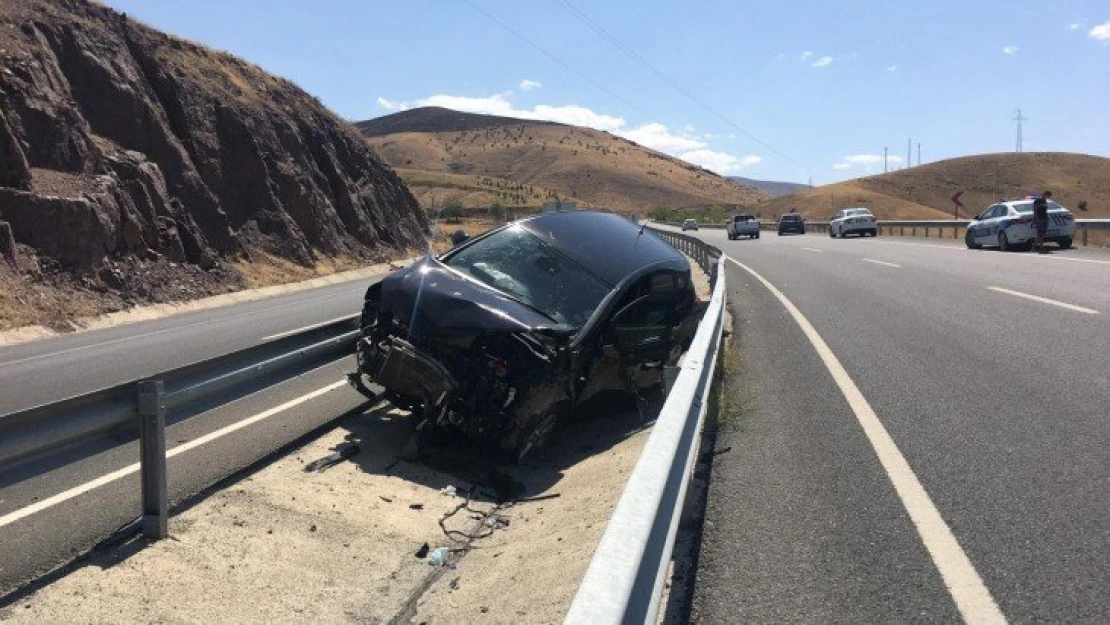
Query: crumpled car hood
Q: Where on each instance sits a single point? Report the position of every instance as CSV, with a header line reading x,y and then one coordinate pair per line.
x,y
432,299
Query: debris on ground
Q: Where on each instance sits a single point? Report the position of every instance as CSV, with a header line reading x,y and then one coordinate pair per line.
x,y
439,556
416,506
422,552
448,490
385,499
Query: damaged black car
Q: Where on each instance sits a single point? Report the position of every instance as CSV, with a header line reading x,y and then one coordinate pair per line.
x,y
498,340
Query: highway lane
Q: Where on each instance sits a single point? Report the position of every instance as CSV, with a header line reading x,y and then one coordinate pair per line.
x,y
997,402
43,371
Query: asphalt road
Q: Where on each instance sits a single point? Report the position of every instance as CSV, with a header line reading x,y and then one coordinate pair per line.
x,y
44,371
997,402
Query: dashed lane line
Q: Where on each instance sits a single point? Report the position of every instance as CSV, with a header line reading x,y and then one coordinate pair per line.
x,y
1044,300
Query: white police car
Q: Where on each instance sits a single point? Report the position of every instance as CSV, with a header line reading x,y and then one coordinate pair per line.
x,y
853,221
1010,224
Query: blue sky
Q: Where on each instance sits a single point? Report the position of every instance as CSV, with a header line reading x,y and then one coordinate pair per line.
x,y
821,86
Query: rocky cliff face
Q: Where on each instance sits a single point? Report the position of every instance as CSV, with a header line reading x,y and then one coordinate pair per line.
x,y
120,145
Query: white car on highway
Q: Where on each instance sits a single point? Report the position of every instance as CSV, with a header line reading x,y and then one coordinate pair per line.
x,y
853,221
1010,224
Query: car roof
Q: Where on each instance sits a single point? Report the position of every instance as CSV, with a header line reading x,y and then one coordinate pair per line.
x,y
610,246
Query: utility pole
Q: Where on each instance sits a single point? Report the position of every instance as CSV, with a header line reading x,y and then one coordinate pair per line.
x,y
918,153
909,148
1019,119
884,161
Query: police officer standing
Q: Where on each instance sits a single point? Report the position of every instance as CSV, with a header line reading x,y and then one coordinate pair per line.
x,y
1040,220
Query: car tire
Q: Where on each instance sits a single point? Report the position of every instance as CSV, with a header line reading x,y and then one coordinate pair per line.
x,y
1004,243
1064,243
970,241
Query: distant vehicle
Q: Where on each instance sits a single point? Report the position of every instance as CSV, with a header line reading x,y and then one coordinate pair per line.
x,y
498,340
792,222
853,221
1009,225
744,224
690,224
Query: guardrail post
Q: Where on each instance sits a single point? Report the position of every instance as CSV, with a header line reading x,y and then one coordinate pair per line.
x,y
1084,237
152,457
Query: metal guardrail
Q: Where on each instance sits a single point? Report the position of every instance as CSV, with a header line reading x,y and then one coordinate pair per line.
x,y
887,226
143,405
625,579
704,254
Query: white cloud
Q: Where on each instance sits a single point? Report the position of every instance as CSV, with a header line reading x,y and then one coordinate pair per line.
x,y
720,162
893,69
1073,26
806,55
389,105
658,137
823,61
499,104
528,85
685,145
865,160
1100,32
780,55
1010,49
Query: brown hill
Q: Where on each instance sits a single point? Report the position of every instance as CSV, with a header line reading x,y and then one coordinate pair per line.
x,y
569,161
923,192
123,149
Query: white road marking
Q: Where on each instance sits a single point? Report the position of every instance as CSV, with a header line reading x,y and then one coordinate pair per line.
x,y
970,594
1044,300
76,491
812,249
165,331
310,327
881,262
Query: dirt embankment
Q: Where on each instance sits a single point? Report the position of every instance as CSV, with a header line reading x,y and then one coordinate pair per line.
x,y
136,167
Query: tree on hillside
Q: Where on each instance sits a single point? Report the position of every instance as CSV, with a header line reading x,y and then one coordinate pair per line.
x,y
497,212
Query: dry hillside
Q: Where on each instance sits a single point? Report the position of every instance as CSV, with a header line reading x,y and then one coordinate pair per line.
x,y
593,166
923,192
138,167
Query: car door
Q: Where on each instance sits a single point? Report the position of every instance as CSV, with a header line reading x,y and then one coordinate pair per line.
x,y
986,230
837,219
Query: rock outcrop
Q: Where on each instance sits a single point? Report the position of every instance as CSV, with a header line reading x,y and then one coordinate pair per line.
x,y
119,142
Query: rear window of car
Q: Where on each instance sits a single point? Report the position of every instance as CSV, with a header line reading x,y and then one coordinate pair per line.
x,y
743,217
858,211
1027,207
791,217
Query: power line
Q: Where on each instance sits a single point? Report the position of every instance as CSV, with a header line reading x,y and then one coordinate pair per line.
x,y
553,57
594,26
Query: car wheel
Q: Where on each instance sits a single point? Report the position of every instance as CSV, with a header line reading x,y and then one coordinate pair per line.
x,y
970,241
1064,243
1003,242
